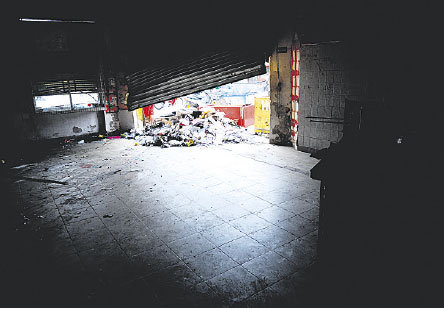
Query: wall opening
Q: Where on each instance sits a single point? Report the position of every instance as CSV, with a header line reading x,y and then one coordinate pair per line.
x,y
66,102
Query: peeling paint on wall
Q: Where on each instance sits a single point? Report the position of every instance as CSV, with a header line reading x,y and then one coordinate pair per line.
x,y
112,122
63,125
77,130
328,78
280,93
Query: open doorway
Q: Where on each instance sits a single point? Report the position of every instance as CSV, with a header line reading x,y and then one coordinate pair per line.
x,y
238,112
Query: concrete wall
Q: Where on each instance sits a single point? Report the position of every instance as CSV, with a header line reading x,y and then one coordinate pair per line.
x,y
112,122
126,119
280,93
49,126
328,77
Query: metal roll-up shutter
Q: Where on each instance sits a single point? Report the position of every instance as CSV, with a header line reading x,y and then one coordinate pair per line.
x,y
64,84
152,86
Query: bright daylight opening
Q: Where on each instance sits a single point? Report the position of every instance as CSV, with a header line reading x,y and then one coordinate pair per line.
x,y
65,102
233,113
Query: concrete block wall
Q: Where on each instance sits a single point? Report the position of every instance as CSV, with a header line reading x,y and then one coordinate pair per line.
x,y
48,126
327,78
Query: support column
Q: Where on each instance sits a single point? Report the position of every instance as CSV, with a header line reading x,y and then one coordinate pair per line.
x,y
280,92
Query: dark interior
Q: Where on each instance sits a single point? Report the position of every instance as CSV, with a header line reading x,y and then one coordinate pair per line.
x,y
381,217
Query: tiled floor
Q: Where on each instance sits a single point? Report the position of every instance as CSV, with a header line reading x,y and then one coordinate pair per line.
x,y
232,225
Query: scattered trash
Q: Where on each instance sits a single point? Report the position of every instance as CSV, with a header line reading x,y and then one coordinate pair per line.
x,y
21,166
41,180
81,142
107,216
189,127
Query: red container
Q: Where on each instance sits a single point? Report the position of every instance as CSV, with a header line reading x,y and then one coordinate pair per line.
x,y
247,116
244,115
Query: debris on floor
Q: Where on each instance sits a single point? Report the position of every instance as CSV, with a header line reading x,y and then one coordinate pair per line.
x,y
188,127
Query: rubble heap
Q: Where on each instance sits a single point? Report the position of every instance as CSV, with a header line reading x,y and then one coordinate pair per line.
x,y
187,127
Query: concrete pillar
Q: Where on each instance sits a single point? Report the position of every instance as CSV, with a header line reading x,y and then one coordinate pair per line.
x,y
126,119
280,92
101,122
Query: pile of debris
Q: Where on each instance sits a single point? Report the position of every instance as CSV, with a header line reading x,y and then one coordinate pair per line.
x,y
187,127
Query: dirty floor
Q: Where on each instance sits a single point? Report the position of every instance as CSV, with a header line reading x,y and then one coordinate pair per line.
x,y
218,226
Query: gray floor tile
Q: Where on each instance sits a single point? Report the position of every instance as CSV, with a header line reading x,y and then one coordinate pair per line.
x,y
149,251
213,202
257,190
210,264
178,281
127,229
274,214
85,226
297,254
177,201
205,221
188,211
271,267
93,239
243,249
107,262
249,223
311,214
237,196
272,236
191,245
147,209
74,215
221,188
153,260
231,212
222,234
159,219
294,291
306,244
176,230
298,226
296,205
277,197
255,204
236,285
117,217
140,243
311,197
